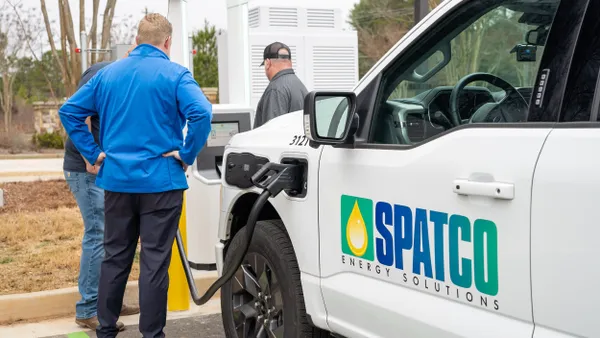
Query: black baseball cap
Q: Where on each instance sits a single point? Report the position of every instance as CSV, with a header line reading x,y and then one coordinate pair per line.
x,y
272,52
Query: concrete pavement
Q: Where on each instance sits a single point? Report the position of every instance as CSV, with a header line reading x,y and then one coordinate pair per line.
x,y
198,319
57,154
207,326
31,165
21,170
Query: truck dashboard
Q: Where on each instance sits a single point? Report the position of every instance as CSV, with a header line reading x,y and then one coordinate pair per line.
x,y
428,114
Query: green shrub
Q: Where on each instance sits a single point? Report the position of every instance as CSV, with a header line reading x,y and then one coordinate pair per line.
x,y
53,140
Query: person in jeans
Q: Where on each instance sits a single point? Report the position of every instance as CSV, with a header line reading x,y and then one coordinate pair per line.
x,y
81,177
143,102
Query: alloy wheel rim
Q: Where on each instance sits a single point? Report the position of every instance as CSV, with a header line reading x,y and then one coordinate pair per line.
x,y
257,299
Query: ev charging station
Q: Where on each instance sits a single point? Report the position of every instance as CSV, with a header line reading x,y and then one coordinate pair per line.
x,y
332,54
203,196
235,116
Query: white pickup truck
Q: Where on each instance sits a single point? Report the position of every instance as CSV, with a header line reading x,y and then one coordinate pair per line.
x,y
451,194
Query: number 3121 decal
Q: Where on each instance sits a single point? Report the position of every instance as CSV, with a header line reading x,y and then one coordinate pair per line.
x,y
299,141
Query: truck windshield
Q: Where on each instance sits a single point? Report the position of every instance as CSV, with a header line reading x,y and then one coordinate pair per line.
x,y
506,39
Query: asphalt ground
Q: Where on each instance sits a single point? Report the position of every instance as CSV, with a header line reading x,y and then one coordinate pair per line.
x,y
203,326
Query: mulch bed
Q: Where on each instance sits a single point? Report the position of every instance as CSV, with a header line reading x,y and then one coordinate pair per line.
x,y
36,196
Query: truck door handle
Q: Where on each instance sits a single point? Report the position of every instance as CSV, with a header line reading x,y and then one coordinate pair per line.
x,y
498,190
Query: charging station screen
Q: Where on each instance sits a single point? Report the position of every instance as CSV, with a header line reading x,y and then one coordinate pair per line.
x,y
220,133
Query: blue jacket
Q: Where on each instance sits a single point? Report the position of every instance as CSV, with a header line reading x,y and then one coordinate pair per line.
x,y
143,102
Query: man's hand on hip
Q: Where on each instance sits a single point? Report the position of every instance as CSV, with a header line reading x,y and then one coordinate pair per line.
x,y
100,159
92,169
175,154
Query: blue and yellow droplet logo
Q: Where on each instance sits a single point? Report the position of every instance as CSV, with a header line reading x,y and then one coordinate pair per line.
x,y
356,232
357,226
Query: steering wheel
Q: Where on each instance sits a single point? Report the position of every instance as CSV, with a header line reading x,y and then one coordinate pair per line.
x,y
512,108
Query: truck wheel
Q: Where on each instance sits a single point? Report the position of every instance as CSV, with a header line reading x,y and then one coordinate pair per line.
x,y
265,299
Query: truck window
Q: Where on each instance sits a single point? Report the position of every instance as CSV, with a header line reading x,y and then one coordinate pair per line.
x,y
583,76
480,68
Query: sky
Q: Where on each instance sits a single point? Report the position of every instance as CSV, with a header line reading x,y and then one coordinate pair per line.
x,y
198,10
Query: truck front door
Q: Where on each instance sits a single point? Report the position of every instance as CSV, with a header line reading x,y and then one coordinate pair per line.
x,y
564,232
425,219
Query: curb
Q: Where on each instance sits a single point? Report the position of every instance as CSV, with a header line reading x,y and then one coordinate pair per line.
x,y
42,305
32,173
29,156
30,178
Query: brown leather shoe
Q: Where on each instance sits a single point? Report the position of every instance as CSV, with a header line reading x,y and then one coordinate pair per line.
x,y
128,310
92,323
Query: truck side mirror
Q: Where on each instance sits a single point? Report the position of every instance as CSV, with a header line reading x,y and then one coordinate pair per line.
x,y
329,116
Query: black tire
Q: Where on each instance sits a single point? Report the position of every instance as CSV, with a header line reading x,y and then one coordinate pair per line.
x,y
271,243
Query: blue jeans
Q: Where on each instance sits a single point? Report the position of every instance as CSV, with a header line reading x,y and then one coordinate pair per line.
x,y
90,200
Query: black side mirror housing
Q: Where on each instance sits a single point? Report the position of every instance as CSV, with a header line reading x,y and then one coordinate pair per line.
x,y
330,117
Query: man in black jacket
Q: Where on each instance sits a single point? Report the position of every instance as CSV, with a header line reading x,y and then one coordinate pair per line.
x,y
285,92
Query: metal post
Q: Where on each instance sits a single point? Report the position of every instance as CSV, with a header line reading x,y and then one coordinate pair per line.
x,y
238,52
178,296
84,55
179,47
421,9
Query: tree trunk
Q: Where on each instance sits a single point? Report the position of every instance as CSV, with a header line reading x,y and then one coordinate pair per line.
x,y
75,58
2,108
109,13
51,41
6,106
94,30
11,98
65,54
82,29
477,48
81,16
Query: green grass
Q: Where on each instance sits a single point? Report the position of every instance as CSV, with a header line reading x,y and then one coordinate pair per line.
x,y
6,260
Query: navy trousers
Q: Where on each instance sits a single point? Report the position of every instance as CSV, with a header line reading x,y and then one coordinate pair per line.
x,y
153,218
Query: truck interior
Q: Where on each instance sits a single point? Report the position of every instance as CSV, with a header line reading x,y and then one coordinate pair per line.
x,y
477,65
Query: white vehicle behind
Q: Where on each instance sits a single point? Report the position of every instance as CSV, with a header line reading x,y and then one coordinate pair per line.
x,y
451,194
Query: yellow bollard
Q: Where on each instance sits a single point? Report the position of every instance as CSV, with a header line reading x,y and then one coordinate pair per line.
x,y
178,296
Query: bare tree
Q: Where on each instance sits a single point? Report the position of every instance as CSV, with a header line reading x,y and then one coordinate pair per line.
x,y
82,22
109,13
69,33
28,27
379,25
124,32
93,36
12,43
51,40
69,60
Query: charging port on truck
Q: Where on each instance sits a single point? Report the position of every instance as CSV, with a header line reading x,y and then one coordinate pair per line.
x,y
302,165
241,167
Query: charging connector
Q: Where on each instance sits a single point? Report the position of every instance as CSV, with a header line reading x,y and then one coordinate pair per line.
x,y
272,178
278,177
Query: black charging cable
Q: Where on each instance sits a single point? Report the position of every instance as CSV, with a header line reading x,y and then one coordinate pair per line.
x,y
273,178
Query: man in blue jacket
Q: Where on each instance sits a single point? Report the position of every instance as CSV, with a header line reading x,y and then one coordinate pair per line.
x,y
80,176
143,103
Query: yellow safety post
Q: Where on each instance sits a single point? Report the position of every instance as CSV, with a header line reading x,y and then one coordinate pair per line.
x,y
178,296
